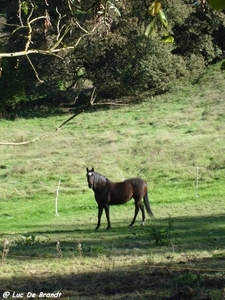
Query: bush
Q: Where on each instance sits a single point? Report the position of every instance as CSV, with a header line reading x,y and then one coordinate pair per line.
x,y
162,236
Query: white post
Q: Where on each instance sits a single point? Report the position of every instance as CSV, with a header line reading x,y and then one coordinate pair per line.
x,y
56,200
197,169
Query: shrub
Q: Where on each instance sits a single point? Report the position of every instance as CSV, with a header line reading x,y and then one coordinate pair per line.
x,y
162,236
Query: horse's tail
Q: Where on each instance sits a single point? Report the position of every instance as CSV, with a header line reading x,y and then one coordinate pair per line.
x,y
147,204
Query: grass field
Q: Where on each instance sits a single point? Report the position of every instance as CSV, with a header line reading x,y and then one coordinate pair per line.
x,y
175,142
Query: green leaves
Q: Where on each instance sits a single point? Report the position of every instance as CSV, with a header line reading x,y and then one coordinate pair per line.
x,y
25,7
111,6
163,236
155,11
168,39
163,18
154,8
149,32
222,67
217,4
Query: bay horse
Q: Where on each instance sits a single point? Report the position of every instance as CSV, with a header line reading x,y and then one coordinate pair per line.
x,y
111,193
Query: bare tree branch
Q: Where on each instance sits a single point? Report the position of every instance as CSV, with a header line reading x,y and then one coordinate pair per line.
x,y
29,21
54,48
35,72
58,23
24,143
19,13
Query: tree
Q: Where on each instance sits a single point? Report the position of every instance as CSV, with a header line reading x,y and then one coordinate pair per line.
x,y
53,48
39,33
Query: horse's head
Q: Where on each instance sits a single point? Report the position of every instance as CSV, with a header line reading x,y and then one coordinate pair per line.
x,y
93,178
90,177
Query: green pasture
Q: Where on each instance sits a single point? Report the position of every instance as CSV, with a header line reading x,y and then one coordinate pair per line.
x,y
175,142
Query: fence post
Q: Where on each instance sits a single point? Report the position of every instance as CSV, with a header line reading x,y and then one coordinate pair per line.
x,y
56,200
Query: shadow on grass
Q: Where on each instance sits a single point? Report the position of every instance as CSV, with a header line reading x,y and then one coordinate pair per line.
x,y
187,277
54,106
148,281
200,233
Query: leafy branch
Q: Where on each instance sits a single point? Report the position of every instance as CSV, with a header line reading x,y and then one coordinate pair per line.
x,y
156,12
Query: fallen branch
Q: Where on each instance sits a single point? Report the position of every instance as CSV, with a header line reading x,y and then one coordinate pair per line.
x,y
26,142
81,109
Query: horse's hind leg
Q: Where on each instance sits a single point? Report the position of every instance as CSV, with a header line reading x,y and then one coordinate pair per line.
x,y
137,206
143,213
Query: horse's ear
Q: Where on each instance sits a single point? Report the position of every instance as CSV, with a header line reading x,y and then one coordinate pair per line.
x,y
92,169
87,170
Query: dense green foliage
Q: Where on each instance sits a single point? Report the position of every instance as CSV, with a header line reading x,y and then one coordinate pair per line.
x,y
117,58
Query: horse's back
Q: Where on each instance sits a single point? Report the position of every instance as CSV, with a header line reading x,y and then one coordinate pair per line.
x,y
137,183
123,191
139,186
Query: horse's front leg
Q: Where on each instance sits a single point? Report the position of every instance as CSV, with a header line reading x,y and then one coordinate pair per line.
x,y
107,215
100,209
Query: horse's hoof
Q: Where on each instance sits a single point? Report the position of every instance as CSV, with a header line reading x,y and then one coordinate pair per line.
x,y
142,223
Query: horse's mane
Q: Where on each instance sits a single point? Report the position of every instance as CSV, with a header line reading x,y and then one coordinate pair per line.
x,y
99,177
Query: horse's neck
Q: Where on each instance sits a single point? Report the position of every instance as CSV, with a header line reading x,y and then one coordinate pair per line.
x,y
100,180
